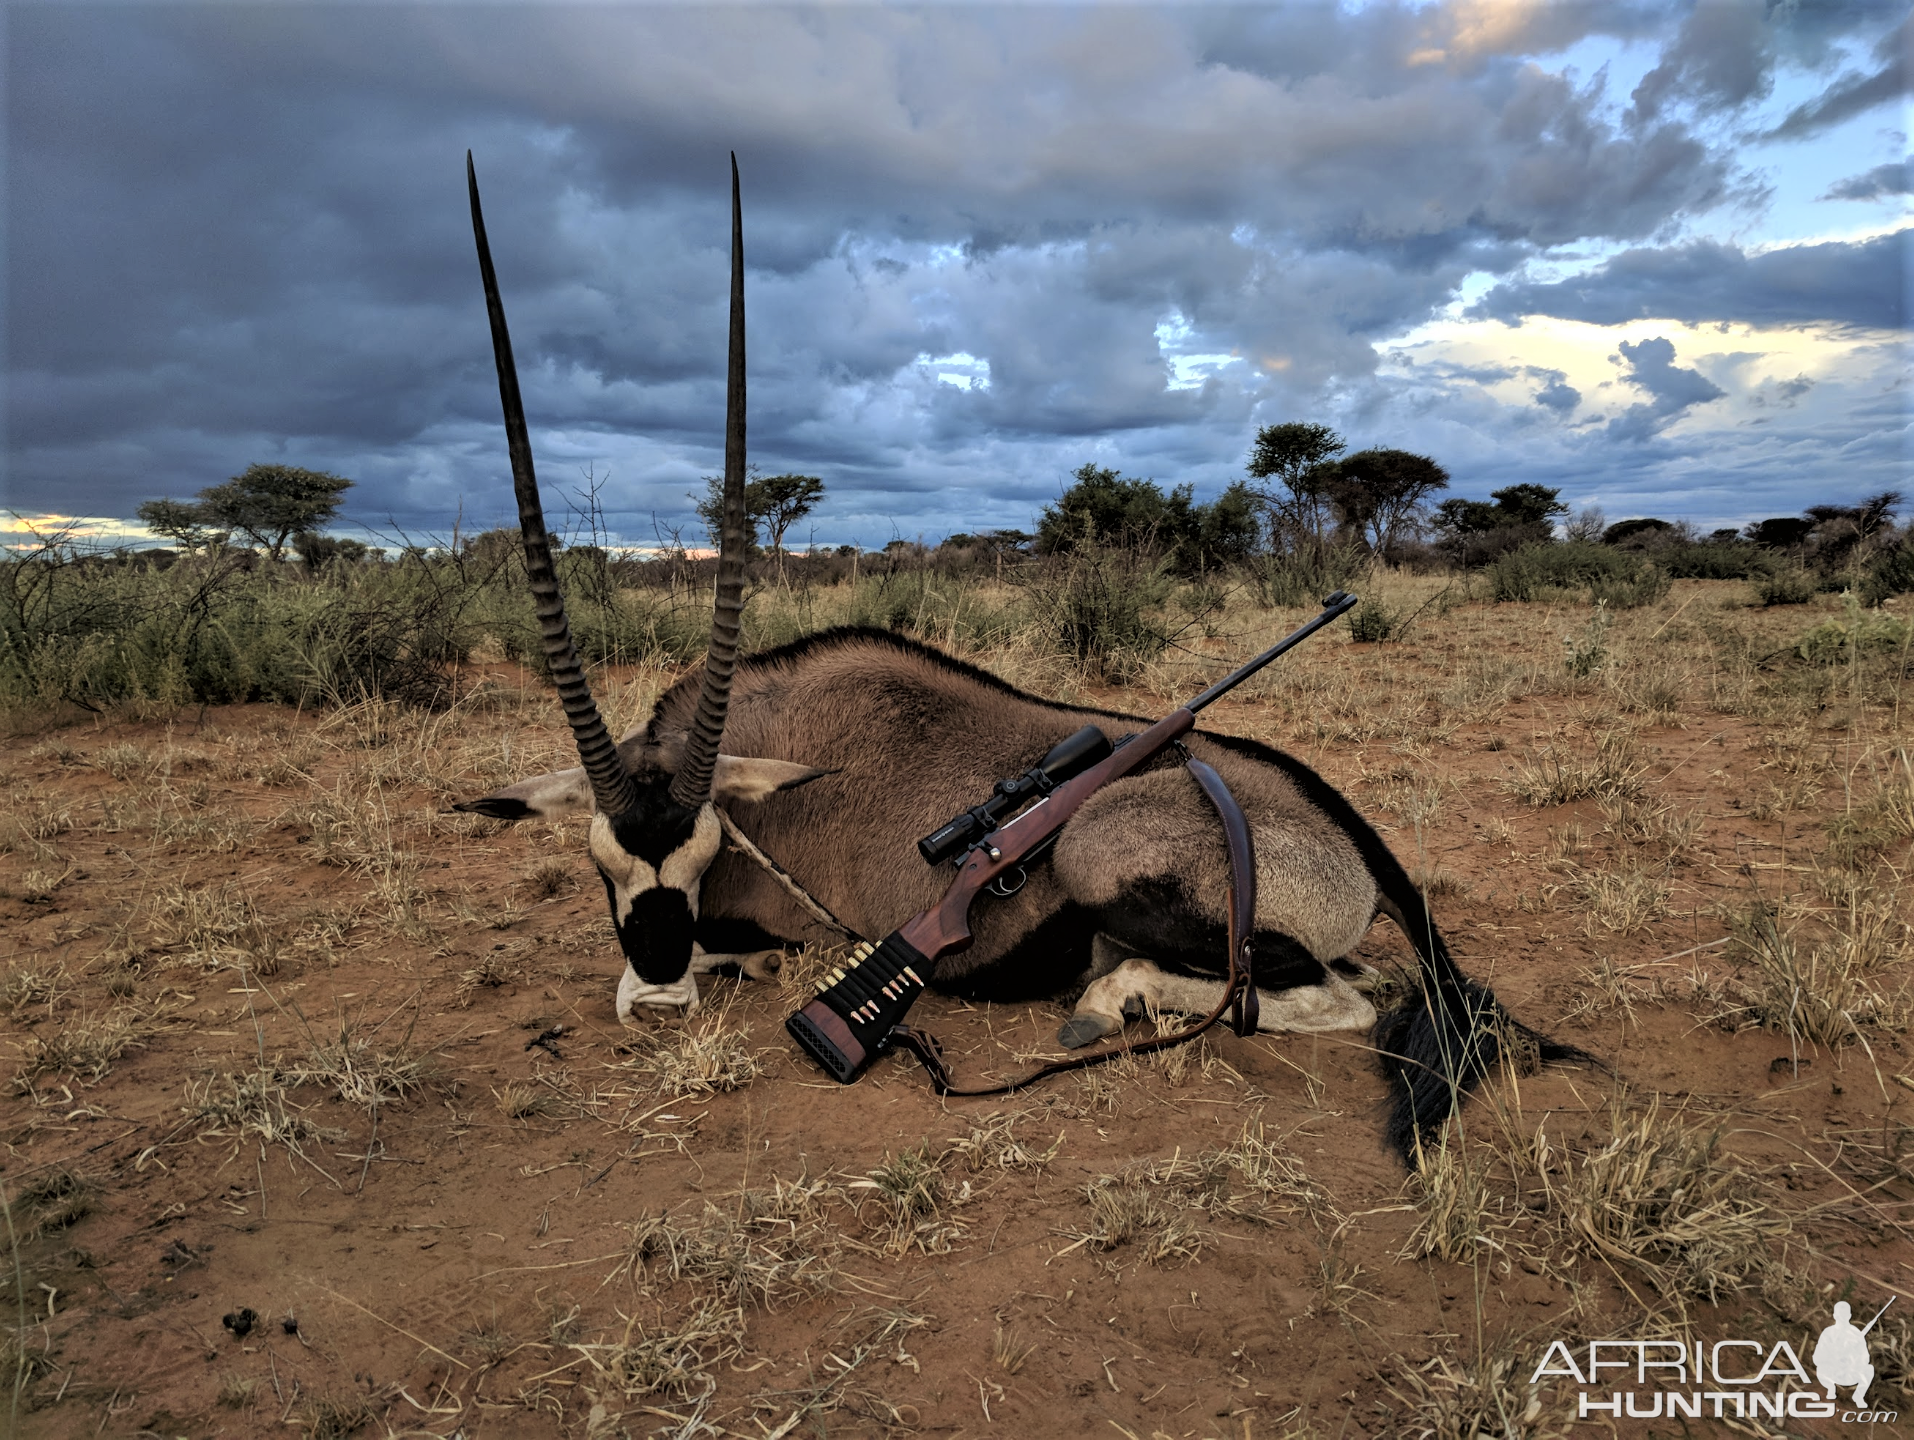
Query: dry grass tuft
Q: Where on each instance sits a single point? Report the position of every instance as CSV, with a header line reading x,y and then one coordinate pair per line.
x,y
1822,977
672,1358
701,1058
237,1392
1009,1350
525,1100
1128,1210
1438,883
1469,1400
1620,901
332,1417
1660,832
357,1072
1608,986
911,1194
1555,776
1662,1196
992,1145
253,1106
767,1247
494,969
53,1200
1877,819
28,821
1451,1189
86,1047
1276,1182
550,879
26,987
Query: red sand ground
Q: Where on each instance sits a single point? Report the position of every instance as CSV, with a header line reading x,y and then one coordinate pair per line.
x,y
441,1260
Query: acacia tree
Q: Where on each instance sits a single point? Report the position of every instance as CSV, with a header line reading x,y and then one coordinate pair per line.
x,y
269,504
1526,504
1380,493
1296,455
783,500
181,522
772,503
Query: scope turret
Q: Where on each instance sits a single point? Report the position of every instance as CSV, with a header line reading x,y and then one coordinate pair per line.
x,y
1067,760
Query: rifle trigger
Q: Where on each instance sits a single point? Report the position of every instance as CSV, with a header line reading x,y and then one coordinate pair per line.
x,y
998,886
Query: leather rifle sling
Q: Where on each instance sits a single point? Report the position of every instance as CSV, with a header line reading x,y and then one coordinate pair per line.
x,y
1240,993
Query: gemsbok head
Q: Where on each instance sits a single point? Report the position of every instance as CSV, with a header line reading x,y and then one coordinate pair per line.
x,y
654,830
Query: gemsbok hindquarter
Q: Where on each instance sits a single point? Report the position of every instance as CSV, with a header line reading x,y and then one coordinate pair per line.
x,y
842,749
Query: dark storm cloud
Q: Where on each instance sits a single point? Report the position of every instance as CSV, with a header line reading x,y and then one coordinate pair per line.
x,y
1556,393
1723,55
1863,283
1894,178
1672,390
238,233
1856,92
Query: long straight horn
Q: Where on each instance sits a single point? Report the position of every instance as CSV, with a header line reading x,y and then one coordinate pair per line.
x,y
610,782
692,786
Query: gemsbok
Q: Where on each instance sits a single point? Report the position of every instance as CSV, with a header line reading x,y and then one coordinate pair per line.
x,y
839,751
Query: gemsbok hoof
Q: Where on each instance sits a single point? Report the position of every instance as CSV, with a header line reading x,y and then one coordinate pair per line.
x,y
1081,1030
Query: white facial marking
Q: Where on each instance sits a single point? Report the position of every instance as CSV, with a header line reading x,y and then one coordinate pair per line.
x,y
683,870
685,866
628,874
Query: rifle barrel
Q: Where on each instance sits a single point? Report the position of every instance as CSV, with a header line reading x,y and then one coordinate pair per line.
x,y
1332,607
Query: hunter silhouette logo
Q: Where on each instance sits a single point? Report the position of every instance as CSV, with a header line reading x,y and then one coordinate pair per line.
x,y
1840,1355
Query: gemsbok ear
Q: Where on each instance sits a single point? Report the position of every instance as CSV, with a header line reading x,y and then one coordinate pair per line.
x,y
739,778
544,797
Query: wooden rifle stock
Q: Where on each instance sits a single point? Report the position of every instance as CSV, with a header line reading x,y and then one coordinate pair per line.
x,y
850,1021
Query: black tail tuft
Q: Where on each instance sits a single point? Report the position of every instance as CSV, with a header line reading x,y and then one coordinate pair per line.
x,y
1434,1056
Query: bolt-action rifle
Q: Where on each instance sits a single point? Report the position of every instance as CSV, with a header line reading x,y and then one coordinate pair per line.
x,y
850,1022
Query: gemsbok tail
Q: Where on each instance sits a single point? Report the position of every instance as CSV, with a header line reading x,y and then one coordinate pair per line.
x,y
1447,1035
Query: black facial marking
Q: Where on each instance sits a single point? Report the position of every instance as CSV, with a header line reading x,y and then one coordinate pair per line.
x,y
723,935
656,936
656,827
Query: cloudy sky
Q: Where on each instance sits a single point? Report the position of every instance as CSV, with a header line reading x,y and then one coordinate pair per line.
x,y
1652,253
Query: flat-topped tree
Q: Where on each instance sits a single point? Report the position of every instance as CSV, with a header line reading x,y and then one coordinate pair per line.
x,y
1380,493
182,522
772,503
269,504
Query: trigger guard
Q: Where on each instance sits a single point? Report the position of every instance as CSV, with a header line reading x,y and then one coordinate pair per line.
x,y
997,886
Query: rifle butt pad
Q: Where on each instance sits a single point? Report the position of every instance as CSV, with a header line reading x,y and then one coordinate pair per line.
x,y
848,1025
